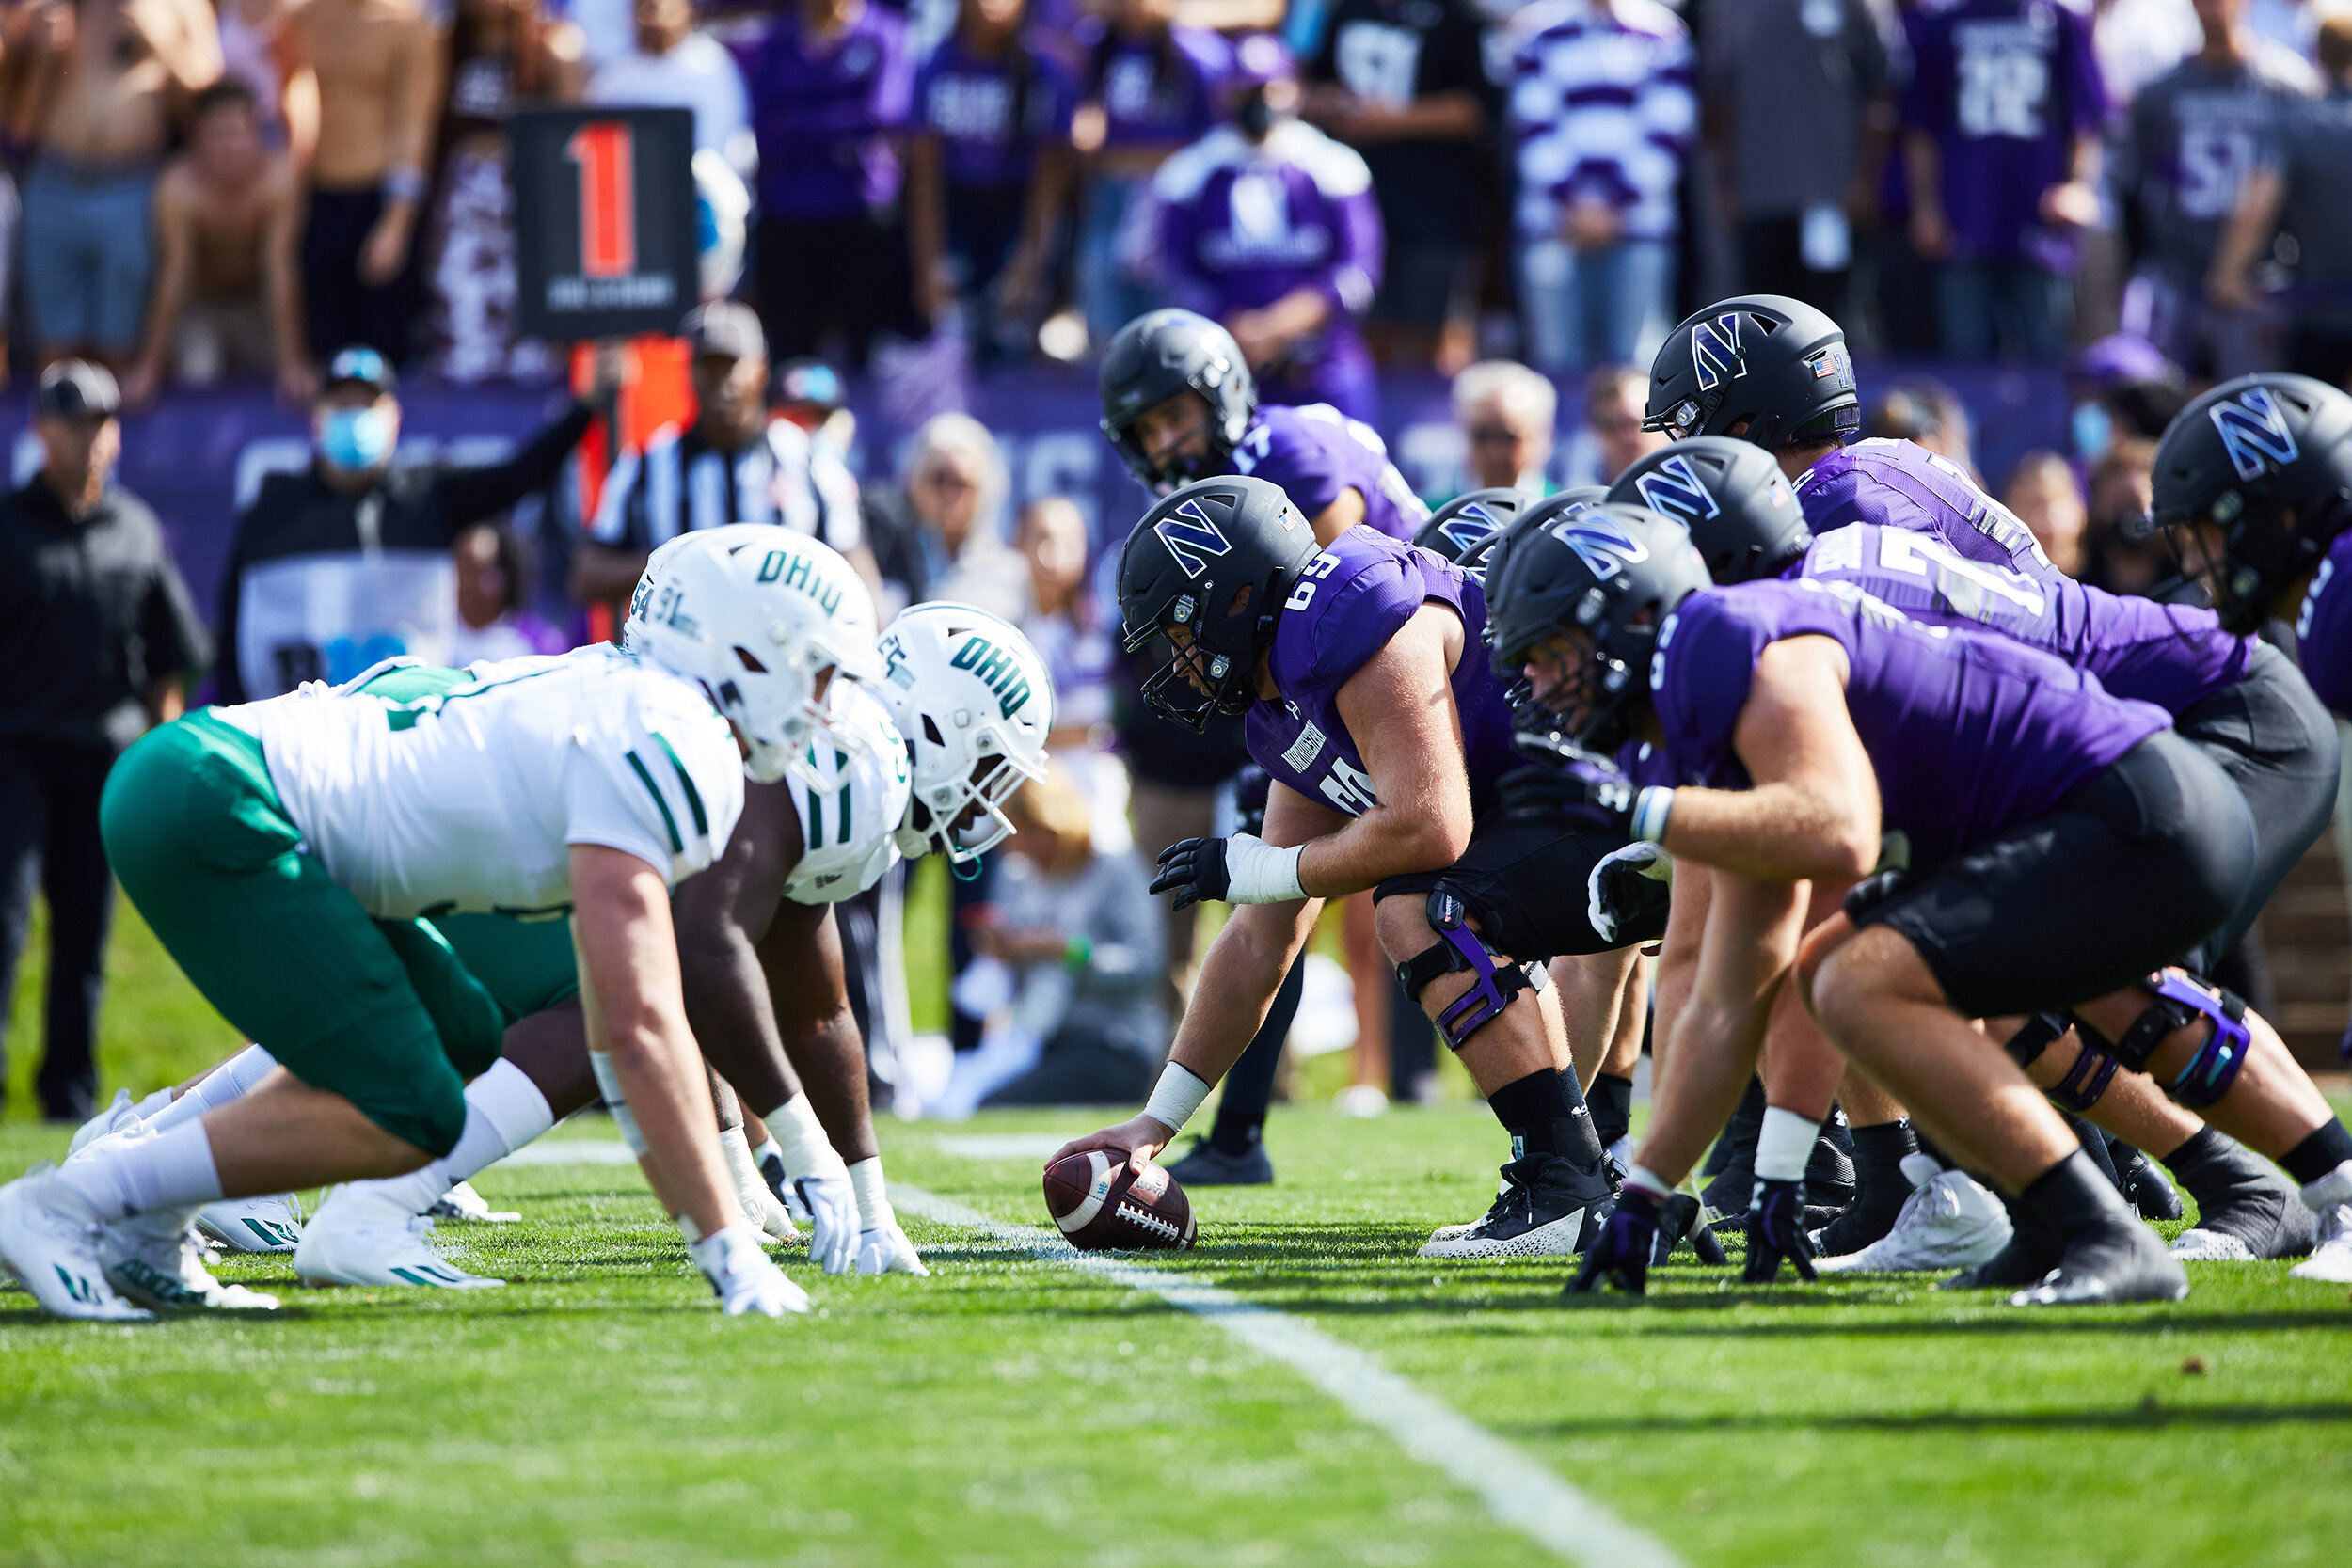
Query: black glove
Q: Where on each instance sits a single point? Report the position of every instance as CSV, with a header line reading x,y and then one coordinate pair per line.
x,y
1680,1222
1575,794
1776,1233
1621,1254
1193,869
1250,787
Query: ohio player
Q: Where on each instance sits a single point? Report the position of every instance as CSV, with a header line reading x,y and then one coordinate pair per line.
x,y
1368,697
2240,702
2062,843
284,851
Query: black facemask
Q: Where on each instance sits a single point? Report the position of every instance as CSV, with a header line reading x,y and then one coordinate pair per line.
x,y
1254,115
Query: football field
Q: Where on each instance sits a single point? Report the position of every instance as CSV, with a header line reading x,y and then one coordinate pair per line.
x,y
1333,1400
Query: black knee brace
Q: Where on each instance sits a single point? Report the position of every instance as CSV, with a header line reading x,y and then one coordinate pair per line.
x,y
2182,999
1459,948
2086,1080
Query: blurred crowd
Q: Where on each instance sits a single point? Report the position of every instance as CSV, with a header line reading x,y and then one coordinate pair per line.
x,y
2144,193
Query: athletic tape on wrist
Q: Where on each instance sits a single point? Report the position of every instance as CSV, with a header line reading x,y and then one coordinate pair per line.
x,y
1641,1178
1176,1097
609,1085
800,1140
1258,873
1783,1144
1650,810
873,1194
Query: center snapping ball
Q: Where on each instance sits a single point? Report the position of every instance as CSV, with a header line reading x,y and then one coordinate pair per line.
x,y
1125,1205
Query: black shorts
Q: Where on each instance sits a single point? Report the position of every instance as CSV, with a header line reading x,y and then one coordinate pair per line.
x,y
2276,742
1524,884
2133,868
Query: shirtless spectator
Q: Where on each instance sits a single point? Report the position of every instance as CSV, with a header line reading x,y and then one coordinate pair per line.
x,y
227,212
373,67
103,84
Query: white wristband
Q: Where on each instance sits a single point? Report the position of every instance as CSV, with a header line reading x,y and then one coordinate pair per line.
x,y
1783,1144
1641,1178
1258,873
1650,809
1175,1097
801,1141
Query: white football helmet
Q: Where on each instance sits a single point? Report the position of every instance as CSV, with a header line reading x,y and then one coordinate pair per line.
x,y
976,704
766,619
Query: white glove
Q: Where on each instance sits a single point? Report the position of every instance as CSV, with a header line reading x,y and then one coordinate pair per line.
x,y
1645,860
886,1250
830,1206
742,1277
752,1199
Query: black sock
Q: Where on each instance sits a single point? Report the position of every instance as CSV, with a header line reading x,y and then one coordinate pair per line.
x,y
1545,1115
2075,1196
1737,1145
2210,1167
1612,1103
2316,1157
1249,1086
1878,1159
2094,1146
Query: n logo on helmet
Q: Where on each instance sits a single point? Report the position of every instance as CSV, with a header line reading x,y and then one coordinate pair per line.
x,y
1605,549
1469,526
1674,488
2254,433
1191,538
1715,353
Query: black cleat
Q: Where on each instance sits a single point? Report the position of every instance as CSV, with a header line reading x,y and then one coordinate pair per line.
x,y
1867,1219
1206,1165
1539,1213
2034,1249
2246,1211
2145,1186
2120,1261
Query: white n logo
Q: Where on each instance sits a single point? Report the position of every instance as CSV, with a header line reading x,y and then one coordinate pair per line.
x,y
1191,538
2254,433
1674,488
1715,351
1605,549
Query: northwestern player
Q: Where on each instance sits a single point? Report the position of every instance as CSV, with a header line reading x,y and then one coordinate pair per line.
x,y
1368,697
1179,403
1270,227
2062,844
284,851
2245,706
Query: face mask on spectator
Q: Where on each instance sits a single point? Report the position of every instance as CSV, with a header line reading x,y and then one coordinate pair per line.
x,y
357,439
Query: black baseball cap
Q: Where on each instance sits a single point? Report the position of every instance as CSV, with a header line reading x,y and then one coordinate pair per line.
x,y
77,389
723,329
361,366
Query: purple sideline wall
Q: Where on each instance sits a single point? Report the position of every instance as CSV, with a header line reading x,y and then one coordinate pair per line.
x,y
198,457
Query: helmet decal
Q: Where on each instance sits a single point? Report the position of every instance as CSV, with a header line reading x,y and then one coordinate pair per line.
x,y
798,570
1675,489
1191,538
998,669
1469,525
2254,433
1605,549
1715,351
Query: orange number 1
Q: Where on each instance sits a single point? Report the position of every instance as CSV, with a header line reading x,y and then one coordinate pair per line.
x,y
607,198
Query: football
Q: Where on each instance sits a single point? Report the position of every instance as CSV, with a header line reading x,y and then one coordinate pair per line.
x,y
1101,1205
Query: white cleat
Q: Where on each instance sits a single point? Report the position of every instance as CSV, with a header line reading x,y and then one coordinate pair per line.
x,y
461,1202
1455,1232
358,1238
50,1239
1362,1100
2330,1261
271,1223
743,1278
2211,1246
113,1118
885,1249
1948,1222
153,1259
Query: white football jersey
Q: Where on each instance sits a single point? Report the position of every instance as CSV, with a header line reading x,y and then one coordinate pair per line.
x,y
845,826
468,801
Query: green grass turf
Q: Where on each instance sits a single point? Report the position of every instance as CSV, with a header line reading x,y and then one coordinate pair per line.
x,y
1006,1411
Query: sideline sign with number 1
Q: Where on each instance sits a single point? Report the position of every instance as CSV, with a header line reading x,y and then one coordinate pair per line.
x,y
604,221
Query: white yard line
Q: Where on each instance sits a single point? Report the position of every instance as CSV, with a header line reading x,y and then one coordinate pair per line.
x,y
1517,1490
1000,1146
571,1151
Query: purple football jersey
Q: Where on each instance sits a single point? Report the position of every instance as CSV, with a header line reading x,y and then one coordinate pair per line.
x,y
968,103
2167,655
2004,86
821,114
1233,225
1154,94
2322,632
1968,734
1350,600
1903,485
1313,453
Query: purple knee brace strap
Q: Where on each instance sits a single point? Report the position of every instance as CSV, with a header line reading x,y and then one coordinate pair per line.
x,y
1458,949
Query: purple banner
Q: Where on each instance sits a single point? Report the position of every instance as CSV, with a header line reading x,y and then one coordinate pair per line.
x,y
198,458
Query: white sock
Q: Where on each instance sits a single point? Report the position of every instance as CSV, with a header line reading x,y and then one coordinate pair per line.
x,y
504,1110
801,1139
225,1084
1783,1144
2329,1189
873,1194
172,1170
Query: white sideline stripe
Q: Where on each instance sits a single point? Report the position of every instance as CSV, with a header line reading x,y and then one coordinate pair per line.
x,y
1001,1146
571,1151
1517,1490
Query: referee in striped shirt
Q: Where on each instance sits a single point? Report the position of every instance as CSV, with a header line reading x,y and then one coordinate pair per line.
x,y
732,465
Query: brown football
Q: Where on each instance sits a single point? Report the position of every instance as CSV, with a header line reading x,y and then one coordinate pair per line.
x,y
1102,1205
